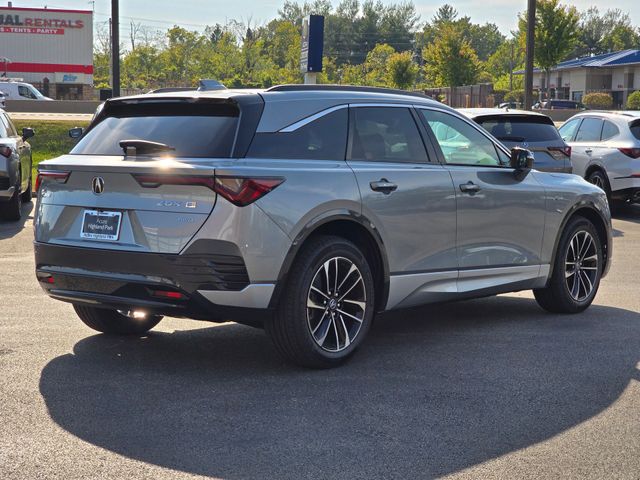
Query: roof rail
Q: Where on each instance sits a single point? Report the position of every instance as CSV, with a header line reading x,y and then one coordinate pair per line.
x,y
344,88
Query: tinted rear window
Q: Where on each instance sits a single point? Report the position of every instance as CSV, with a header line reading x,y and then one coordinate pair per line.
x,y
635,129
322,139
520,128
194,130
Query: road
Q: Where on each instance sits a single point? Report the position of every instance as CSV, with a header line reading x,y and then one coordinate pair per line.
x,y
490,388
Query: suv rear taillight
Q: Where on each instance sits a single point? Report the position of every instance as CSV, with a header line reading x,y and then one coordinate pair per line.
x,y
59,176
5,151
242,191
631,152
154,181
559,153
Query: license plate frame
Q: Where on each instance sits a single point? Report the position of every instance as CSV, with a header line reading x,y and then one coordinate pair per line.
x,y
101,221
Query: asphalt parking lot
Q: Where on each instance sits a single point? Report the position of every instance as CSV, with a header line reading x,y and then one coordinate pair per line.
x,y
491,388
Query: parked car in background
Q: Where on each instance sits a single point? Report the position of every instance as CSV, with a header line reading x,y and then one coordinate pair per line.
x,y
559,105
533,131
606,151
14,90
15,168
514,105
2,100
305,209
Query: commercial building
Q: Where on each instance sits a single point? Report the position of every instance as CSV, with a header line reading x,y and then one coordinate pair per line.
x,y
50,48
617,73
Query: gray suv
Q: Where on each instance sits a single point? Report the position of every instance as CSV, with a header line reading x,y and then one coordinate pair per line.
x,y
305,210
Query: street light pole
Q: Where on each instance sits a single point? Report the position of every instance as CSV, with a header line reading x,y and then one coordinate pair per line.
x,y
528,70
115,47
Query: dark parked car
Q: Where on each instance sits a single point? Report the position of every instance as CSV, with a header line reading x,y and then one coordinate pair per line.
x,y
559,105
531,130
305,210
15,168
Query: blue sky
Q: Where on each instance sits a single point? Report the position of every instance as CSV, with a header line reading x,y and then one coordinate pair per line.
x,y
194,13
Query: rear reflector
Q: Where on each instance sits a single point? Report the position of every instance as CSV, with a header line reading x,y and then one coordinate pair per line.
x,y
168,294
5,151
56,175
242,191
154,181
631,152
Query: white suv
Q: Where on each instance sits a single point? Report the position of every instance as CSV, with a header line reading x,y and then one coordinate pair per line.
x,y
606,151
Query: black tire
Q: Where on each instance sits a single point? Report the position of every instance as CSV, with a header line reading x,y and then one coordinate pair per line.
x,y
27,195
558,296
12,209
111,321
290,328
600,179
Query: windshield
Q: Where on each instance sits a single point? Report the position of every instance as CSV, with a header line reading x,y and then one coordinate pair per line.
x,y
520,128
192,130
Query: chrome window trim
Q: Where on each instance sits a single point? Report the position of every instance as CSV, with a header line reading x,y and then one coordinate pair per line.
x,y
311,118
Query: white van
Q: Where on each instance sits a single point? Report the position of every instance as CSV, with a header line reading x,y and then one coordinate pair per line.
x,y
13,90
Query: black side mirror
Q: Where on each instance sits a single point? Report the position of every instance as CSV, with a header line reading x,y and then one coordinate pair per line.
x,y
76,132
521,160
27,133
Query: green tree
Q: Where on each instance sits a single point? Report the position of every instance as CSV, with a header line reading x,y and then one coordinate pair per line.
x,y
376,65
402,70
556,33
633,101
449,60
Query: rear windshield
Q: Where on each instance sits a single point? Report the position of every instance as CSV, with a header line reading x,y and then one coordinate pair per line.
x,y
520,128
635,129
193,130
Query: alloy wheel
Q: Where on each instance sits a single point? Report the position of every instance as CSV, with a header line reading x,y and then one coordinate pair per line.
x,y
336,304
598,181
581,265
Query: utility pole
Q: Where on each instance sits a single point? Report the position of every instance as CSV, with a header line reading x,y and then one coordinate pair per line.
x,y
528,70
115,47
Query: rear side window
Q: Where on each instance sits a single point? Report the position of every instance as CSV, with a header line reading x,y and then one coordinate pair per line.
x,y
193,130
520,128
609,130
590,130
322,139
635,129
386,134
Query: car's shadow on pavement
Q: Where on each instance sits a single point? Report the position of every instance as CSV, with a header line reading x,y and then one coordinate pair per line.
x,y
431,392
10,229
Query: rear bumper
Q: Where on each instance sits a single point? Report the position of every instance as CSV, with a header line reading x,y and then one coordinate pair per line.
x,y
206,286
631,194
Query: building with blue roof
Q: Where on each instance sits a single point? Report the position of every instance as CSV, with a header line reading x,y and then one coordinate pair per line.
x,y
617,73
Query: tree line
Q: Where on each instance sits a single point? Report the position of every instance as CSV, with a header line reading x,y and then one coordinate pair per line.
x,y
366,43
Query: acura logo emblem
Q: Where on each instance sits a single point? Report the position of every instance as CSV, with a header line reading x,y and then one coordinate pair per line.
x,y
97,185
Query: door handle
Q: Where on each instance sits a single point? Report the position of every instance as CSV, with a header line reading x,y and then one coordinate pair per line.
x,y
383,185
588,151
469,187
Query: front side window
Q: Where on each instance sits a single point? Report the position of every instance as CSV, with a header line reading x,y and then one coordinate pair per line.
x,y
386,134
590,130
568,130
322,139
461,144
26,92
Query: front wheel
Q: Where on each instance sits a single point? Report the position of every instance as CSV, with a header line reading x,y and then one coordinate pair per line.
x,y
577,270
114,322
327,308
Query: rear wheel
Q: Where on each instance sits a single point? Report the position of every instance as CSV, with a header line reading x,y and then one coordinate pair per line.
x,y
576,271
12,210
114,322
327,308
599,179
